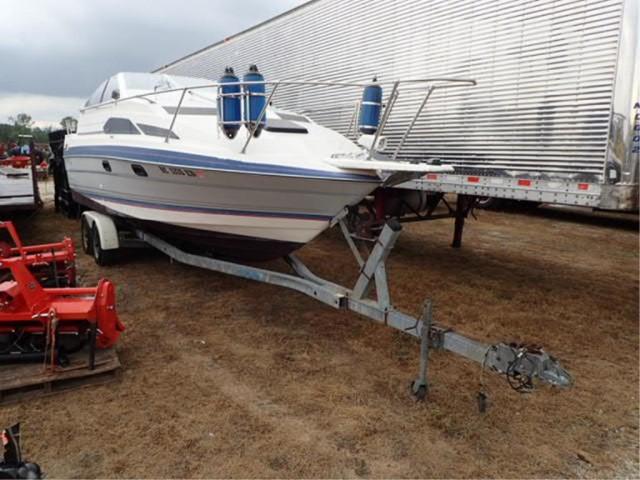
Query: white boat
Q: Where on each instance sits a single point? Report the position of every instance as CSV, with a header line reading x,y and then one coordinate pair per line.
x,y
151,150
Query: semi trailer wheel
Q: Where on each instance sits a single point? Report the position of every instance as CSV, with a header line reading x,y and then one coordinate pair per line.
x,y
489,203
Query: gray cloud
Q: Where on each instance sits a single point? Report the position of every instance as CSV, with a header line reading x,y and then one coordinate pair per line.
x,y
67,47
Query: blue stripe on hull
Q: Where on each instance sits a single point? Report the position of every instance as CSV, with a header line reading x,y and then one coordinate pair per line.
x,y
213,211
175,158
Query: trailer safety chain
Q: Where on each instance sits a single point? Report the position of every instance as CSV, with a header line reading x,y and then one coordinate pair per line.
x,y
520,382
526,363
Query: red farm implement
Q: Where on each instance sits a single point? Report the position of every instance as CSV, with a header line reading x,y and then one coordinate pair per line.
x,y
16,161
42,316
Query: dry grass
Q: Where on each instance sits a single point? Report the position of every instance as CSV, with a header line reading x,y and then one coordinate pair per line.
x,y
227,378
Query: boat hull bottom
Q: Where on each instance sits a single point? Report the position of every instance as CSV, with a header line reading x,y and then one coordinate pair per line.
x,y
204,242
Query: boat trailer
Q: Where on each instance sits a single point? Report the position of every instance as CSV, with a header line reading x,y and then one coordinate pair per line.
x,y
38,323
522,365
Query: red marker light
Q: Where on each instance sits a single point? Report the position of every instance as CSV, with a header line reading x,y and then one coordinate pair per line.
x,y
524,183
473,179
583,186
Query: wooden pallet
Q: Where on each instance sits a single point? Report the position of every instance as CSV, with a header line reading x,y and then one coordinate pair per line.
x,y
23,381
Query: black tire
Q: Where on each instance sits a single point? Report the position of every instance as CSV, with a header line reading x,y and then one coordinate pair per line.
x,y
86,237
101,257
489,203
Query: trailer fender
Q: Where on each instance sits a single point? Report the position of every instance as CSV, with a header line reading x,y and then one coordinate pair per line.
x,y
109,239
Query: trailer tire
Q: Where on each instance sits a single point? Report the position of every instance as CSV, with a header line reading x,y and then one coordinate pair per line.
x,y
86,235
102,257
490,203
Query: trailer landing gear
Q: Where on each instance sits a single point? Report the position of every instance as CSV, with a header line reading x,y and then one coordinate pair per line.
x,y
464,206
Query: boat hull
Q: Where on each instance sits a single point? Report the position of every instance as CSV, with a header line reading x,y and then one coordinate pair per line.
x,y
206,242
249,215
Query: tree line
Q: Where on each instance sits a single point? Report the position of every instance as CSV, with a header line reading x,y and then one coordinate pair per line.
x,y
22,124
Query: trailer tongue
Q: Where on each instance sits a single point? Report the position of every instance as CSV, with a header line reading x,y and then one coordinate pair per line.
x,y
46,324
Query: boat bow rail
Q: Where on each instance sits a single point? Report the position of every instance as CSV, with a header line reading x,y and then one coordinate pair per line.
x,y
427,85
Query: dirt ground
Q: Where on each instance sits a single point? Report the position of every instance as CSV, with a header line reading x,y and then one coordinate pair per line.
x,y
223,377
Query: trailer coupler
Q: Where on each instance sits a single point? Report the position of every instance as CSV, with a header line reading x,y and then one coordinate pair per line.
x,y
522,365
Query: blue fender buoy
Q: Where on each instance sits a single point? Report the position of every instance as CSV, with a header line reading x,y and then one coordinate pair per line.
x,y
229,105
255,99
370,108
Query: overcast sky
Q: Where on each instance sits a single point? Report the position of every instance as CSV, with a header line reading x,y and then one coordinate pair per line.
x,y
54,53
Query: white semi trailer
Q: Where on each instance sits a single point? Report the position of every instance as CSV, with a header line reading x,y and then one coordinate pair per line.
x,y
554,115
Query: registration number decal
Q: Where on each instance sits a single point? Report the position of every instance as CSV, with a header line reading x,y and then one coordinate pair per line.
x,y
181,171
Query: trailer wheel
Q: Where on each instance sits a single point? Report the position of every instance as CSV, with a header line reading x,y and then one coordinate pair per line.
x,y
101,256
489,203
86,237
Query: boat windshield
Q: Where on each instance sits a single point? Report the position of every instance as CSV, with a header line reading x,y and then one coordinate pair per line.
x,y
136,83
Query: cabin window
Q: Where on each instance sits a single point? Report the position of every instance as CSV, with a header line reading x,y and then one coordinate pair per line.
x,y
122,126
156,131
139,170
106,165
284,126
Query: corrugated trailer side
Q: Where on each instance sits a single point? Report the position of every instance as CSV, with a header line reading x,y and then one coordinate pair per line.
x,y
551,119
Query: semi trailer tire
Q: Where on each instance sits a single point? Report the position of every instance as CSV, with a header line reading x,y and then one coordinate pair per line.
x,y
489,203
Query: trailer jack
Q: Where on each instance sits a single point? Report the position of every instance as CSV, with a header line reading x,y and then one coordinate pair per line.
x,y
517,363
